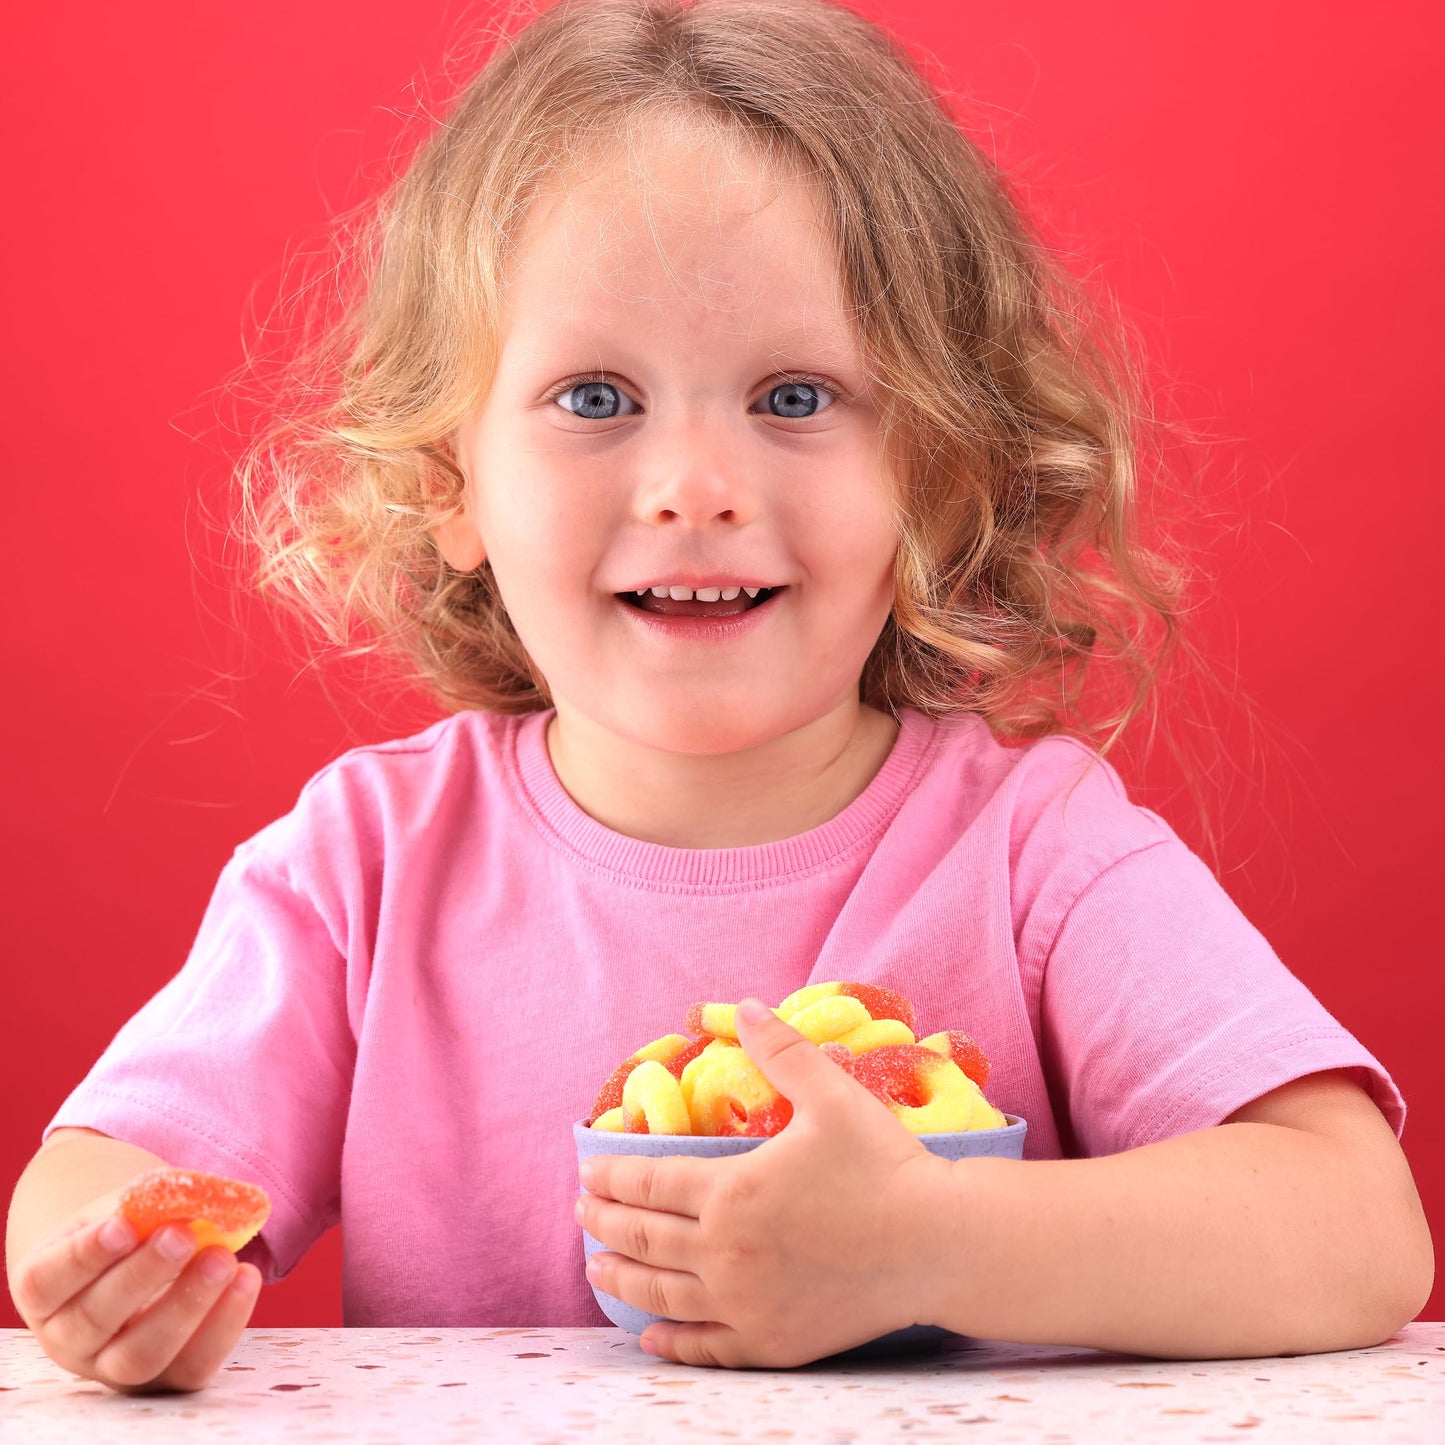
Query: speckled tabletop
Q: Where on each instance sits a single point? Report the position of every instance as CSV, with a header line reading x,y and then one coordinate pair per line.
x,y
556,1387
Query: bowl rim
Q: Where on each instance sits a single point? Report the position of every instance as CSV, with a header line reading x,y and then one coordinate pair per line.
x,y
1014,1121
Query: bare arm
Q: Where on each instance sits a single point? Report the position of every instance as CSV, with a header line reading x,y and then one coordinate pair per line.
x,y
1294,1227
73,1168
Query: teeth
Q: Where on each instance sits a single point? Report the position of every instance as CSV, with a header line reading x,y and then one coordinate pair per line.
x,y
703,594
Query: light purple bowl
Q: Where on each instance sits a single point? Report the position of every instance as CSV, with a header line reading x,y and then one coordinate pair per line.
x,y
1005,1143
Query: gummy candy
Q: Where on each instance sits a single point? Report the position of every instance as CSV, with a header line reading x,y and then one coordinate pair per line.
x,y
672,1050
716,1020
726,1093
768,1119
830,1018
664,1050
875,1033
219,1210
652,1102
683,1057
881,1003
963,1051
708,1085
928,1093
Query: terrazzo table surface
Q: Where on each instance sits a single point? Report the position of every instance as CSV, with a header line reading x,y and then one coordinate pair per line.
x,y
556,1387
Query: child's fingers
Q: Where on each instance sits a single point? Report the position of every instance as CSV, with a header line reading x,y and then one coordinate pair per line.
x,y
59,1268
157,1327
144,1356
89,1319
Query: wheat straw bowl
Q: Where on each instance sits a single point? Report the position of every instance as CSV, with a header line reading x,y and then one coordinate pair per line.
x,y
1005,1143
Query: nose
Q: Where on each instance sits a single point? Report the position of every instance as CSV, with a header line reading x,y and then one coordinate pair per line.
x,y
696,473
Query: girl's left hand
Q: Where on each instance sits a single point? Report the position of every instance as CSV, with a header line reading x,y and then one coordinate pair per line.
x,y
812,1243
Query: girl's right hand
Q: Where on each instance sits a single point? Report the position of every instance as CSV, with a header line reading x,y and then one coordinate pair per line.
x,y
135,1318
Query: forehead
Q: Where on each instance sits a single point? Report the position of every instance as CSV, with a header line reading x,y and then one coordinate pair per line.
x,y
674,231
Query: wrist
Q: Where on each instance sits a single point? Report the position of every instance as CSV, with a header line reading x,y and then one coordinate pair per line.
x,y
931,1229
954,1231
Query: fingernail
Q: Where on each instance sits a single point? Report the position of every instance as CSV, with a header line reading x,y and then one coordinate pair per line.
x,y
753,1011
247,1282
176,1242
577,1209
585,1172
116,1235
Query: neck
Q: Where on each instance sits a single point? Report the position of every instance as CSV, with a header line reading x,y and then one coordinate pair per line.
x,y
773,790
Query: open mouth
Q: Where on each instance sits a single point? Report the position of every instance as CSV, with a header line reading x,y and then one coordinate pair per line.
x,y
693,607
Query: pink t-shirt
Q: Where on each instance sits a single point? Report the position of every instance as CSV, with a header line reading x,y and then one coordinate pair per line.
x,y
404,991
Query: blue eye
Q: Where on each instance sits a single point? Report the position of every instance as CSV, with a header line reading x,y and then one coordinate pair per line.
x,y
797,394
594,399
597,400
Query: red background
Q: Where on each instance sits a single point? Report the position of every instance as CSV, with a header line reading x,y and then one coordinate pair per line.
x,y
1259,184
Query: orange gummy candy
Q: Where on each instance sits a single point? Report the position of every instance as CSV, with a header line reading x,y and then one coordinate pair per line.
x,y
769,1120
610,1095
219,1210
967,1055
881,1003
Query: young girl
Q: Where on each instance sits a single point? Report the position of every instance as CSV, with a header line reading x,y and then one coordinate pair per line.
x,y
716,439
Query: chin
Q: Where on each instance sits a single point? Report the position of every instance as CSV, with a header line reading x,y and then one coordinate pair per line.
x,y
700,732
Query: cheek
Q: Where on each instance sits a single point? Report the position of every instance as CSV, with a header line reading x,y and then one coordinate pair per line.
x,y
858,544
544,536
539,527
868,574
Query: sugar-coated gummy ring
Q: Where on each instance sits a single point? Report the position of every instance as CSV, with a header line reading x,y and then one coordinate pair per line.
x,y
875,1033
830,1018
963,1051
714,1020
928,1093
727,1094
220,1210
673,1051
880,1002
652,1102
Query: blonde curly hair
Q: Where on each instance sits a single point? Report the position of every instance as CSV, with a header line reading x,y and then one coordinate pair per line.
x,y
1006,387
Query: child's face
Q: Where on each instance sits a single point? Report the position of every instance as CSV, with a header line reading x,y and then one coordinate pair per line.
x,y
694,460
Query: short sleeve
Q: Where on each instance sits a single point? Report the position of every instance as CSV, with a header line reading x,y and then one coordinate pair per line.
x,y
1163,1009
242,1063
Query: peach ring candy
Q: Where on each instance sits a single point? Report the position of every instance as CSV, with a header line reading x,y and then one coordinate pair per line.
x,y
652,1102
673,1050
219,1210
713,1046
963,1051
928,1093
875,1033
829,1018
716,1020
881,1003
727,1094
